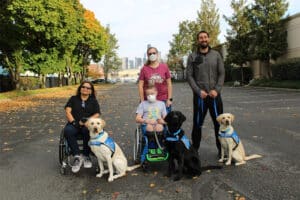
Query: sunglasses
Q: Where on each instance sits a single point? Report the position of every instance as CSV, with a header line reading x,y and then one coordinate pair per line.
x,y
85,87
151,53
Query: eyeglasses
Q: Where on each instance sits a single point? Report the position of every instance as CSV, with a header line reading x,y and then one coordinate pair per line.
x,y
150,53
85,87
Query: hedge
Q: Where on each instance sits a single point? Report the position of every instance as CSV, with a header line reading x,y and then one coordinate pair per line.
x,y
287,70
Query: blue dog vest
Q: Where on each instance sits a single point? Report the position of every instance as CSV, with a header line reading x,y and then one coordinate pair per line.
x,y
234,136
184,139
109,142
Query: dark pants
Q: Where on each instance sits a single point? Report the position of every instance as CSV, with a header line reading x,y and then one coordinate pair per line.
x,y
71,134
200,107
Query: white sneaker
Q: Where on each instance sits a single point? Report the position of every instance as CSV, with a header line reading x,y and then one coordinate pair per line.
x,y
87,163
78,160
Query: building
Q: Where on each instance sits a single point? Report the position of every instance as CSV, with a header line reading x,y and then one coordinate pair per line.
x,y
130,64
124,63
138,63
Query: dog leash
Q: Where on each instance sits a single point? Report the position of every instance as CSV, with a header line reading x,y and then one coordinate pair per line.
x,y
200,105
215,107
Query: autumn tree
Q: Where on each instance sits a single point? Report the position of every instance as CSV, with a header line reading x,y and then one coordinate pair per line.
x,y
93,44
208,19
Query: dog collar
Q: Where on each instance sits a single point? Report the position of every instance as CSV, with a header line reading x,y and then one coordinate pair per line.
x,y
176,133
98,136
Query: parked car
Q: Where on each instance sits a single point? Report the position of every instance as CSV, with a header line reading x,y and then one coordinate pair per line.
x,y
99,80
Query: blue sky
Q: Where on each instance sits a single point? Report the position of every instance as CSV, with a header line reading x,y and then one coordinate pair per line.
x,y
137,23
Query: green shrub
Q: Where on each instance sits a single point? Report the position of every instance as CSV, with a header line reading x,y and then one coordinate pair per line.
x,y
287,70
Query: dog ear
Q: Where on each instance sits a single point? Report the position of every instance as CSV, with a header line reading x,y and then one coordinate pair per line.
x,y
103,123
232,117
219,118
167,118
182,117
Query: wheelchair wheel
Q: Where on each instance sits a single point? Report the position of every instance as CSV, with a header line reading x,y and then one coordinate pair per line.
x,y
62,147
137,146
63,155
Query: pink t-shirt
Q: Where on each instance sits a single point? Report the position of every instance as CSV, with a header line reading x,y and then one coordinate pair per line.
x,y
157,76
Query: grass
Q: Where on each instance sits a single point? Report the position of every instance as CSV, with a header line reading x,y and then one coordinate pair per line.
x,y
20,93
292,84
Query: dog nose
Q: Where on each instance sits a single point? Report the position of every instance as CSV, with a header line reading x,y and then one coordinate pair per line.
x,y
227,122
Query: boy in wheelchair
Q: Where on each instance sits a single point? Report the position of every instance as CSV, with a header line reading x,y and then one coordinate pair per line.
x,y
150,114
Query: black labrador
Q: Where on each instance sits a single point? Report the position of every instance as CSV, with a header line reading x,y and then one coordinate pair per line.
x,y
180,148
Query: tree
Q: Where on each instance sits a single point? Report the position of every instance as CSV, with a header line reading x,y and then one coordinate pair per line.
x,y
182,44
111,60
93,44
38,36
238,42
268,30
12,43
208,19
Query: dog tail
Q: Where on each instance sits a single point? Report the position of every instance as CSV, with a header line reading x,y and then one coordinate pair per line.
x,y
133,167
252,156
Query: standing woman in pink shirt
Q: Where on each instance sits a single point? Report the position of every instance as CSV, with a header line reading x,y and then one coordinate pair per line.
x,y
157,74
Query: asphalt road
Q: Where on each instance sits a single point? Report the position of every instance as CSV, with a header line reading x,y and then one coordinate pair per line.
x,y
267,121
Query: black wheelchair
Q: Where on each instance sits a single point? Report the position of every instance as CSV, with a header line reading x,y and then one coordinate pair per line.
x,y
65,153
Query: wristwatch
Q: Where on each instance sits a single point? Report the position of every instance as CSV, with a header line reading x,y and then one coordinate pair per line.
x,y
170,99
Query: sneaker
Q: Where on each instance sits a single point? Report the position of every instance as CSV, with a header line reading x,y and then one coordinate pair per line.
x,y
77,164
87,163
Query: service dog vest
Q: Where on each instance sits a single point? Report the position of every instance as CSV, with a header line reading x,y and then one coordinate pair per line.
x,y
109,142
234,136
175,138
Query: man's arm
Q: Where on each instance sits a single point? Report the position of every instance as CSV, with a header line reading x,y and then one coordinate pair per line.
x,y
190,76
221,74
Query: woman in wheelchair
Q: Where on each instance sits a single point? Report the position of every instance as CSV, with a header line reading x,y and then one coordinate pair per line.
x,y
150,113
78,109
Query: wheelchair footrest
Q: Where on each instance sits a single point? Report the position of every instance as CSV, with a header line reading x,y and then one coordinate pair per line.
x,y
157,155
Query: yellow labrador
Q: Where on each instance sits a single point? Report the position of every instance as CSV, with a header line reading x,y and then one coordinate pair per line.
x,y
231,145
106,150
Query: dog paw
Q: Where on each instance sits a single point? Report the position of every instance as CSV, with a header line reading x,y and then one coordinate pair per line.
x,y
228,163
99,175
221,160
110,179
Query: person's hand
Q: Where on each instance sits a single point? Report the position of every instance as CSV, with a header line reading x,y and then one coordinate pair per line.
x,y
151,121
203,94
75,124
168,103
160,121
213,94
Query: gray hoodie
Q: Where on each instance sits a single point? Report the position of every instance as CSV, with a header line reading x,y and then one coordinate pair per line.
x,y
205,71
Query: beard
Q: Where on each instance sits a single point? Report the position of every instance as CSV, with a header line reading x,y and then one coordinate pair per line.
x,y
203,45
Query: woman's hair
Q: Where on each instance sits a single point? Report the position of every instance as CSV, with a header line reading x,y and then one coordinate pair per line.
x,y
148,61
93,94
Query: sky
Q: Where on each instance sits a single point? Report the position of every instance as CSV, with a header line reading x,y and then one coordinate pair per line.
x,y
137,23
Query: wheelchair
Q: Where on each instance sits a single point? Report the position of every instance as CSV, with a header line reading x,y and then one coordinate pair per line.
x,y
156,151
65,153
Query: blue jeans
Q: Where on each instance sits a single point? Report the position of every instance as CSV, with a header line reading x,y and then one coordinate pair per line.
x,y
71,134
